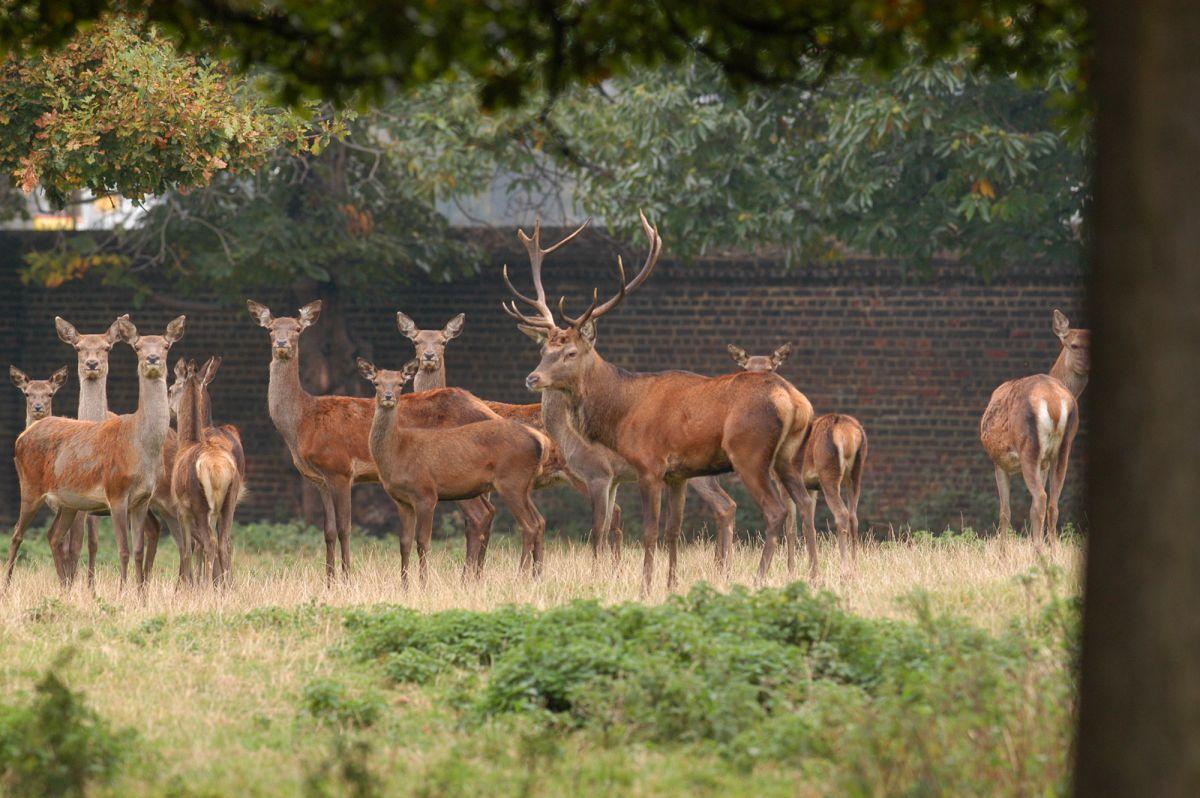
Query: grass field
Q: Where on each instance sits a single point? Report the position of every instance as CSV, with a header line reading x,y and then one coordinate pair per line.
x,y
941,665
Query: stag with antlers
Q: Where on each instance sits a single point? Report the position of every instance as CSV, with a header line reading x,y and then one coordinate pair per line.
x,y
671,426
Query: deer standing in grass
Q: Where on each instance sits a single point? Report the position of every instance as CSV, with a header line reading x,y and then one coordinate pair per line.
x,y
590,468
329,436
420,466
89,466
672,426
1029,427
209,474
834,455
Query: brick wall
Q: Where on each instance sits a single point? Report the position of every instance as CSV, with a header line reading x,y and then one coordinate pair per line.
x,y
915,358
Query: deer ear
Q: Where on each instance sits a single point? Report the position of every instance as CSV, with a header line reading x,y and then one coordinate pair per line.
x,y
59,378
536,333
210,369
588,331
180,370
66,331
309,314
175,329
18,377
410,369
1061,324
366,369
408,327
261,313
113,334
454,327
781,354
126,330
738,354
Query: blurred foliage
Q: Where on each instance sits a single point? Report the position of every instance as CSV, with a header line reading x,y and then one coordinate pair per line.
x,y
335,49
114,109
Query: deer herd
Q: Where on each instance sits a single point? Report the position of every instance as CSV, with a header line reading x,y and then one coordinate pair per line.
x,y
596,426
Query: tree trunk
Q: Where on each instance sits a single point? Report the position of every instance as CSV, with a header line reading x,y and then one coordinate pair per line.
x,y
1140,694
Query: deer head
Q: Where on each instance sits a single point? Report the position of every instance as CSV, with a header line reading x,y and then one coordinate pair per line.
x,y
151,350
430,344
285,330
38,393
91,350
1076,345
769,362
388,384
568,352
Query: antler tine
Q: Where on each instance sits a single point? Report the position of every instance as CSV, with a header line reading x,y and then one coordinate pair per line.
x,y
576,232
647,268
587,314
534,321
512,289
533,246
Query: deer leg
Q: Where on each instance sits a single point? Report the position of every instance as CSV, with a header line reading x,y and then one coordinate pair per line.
x,y
805,503
60,534
145,537
789,534
852,505
1031,469
138,515
29,510
600,493
425,508
226,520
120,519
408,533
724,512
184,541
616,534
519,501
330,530
676,499
479,514
831,486
340,491
652,488
72,544
1003,488
1058,477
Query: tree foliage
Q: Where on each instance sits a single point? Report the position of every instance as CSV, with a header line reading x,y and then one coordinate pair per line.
x,y
116,110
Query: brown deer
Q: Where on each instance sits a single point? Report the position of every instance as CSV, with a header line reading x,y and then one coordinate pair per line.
x,y
209,473
834,455
674,425
1030,424
421,466
89,466
39,394
590,468
329,436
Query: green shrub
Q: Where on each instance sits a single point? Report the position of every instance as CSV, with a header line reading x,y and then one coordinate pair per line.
x,y
330,702
56,745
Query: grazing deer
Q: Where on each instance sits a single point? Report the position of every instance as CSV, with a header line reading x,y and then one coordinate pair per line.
x,y
39,394
329,436
209,473
421,466
1030,424
590,468
674,425
89,466
834,455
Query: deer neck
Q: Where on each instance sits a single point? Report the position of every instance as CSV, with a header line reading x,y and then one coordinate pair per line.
x,y
152,419
383,432
93,398
189,423
1060,371
29,416
430,380
286,398
599,402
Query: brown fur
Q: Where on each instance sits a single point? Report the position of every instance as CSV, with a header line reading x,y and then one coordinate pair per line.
x,y
1029,426
208,475
329,436
111,464
420,466
833,455
39,394
674,425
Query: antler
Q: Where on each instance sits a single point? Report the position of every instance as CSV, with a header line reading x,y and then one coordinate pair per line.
x,y
596,311
533,245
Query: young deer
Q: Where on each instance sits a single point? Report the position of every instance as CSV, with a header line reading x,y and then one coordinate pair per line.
x,y
209,473
420,466
674,425
329,436
1030,424
39,394
88,466
833,455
